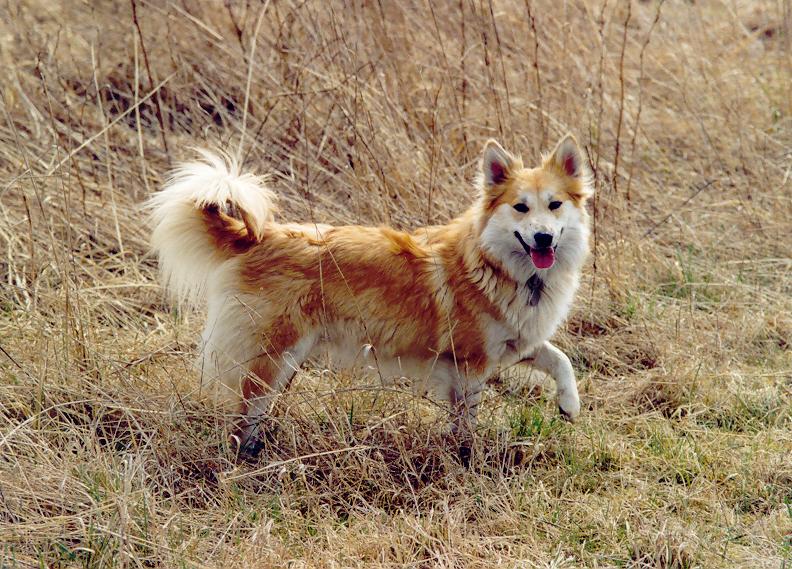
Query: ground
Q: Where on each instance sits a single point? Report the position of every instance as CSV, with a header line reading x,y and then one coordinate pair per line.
x,y
376,113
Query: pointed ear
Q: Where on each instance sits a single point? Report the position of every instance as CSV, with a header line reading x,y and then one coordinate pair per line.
x,y
497,165
568,158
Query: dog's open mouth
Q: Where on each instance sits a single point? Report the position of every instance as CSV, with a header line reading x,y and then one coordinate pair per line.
x,y
541,258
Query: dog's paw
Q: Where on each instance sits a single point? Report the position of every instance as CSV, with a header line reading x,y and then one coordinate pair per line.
x,y
569,406
246,448
251,449
465,452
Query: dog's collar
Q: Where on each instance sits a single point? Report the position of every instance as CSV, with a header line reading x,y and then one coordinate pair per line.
x,y
535,284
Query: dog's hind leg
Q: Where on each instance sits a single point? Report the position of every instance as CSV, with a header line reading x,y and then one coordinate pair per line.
x,y
271,375
553,361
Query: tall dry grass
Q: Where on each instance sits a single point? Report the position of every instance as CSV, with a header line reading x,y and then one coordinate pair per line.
x,y
375,113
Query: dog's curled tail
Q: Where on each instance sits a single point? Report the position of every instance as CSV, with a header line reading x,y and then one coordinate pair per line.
x,y
207,213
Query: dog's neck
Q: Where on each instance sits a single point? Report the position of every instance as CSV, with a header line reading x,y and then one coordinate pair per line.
x,y
490,275
535,285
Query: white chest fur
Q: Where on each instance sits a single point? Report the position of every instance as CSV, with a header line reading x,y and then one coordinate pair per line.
x,y
526,324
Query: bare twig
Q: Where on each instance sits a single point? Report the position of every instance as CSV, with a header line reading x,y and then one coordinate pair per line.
x,y
157,104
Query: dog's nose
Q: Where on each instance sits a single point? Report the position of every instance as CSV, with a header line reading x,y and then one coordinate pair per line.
x,y
543,240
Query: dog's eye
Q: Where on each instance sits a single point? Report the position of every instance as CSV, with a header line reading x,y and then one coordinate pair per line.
x,y
554,205
521,207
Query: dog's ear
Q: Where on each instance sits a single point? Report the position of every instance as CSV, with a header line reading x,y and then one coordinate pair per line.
x,y
568,158
497,165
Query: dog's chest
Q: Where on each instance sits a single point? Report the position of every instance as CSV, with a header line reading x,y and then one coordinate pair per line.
x,y
531,314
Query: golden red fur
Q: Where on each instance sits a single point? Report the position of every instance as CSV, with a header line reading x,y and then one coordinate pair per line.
x,y
444,305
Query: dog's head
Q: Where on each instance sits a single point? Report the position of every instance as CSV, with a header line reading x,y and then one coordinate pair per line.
x,y
534,219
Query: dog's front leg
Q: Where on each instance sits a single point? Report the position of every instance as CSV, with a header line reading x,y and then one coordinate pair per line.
x,y
553,361
464,398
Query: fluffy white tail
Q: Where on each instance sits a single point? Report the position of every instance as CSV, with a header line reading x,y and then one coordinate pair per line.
x,y
206,213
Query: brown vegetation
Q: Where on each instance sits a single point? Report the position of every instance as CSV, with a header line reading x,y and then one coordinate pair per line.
x,y
376,113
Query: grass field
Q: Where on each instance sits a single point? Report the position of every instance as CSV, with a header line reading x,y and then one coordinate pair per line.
x,y
375,112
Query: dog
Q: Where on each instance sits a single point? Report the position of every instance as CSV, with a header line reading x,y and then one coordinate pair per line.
x,y
444,305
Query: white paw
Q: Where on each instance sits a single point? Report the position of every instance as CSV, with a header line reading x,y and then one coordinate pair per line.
x,y
569,405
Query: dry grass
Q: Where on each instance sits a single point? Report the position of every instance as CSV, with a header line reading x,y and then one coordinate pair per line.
x,y
375,112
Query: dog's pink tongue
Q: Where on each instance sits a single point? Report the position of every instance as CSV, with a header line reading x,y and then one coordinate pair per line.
x,y
543,258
